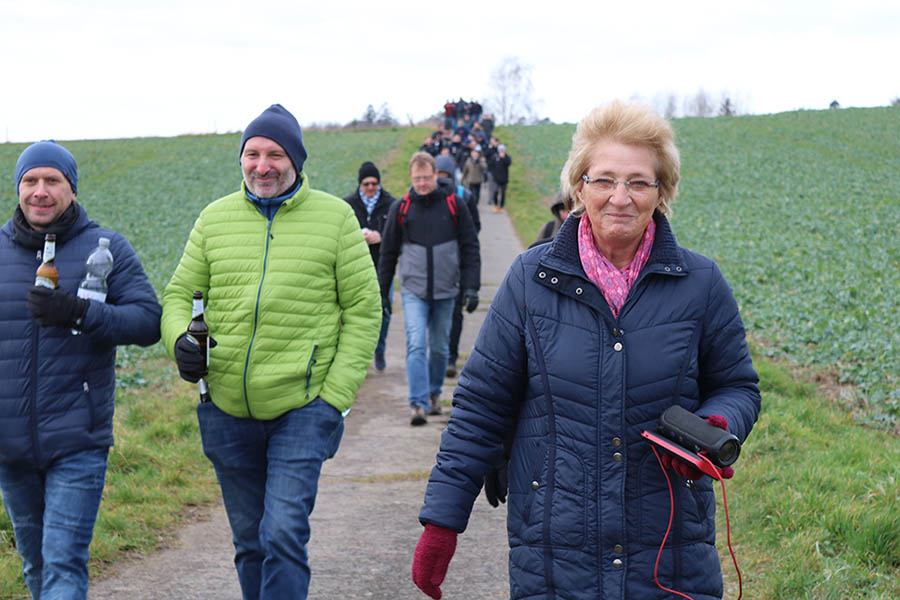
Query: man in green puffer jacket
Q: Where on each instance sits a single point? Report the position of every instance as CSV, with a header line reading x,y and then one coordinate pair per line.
x,y
294,311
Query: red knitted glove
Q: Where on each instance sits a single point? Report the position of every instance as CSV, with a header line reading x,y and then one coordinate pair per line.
x,y
432,557
690,471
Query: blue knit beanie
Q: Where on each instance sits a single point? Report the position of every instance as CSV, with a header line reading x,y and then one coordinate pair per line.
x,y
47,153
280,126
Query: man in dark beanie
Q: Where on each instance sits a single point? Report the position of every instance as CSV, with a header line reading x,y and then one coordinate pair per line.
x,y
370,203
57,392
293,310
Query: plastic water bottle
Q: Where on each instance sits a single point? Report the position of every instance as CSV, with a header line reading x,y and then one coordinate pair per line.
x,y
98,267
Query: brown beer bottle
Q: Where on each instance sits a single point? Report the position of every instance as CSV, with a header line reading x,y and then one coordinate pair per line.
x,y
47,273
198,332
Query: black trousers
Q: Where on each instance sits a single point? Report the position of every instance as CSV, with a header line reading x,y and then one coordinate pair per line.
x,y
455,329
499,195
475,188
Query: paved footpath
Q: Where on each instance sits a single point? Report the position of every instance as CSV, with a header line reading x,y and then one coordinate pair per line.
x,y
365,524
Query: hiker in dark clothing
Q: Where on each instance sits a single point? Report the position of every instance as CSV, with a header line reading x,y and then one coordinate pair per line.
x,y
371,204
430,241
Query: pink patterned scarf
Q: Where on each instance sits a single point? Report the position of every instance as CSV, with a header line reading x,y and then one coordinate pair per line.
x,y
614,283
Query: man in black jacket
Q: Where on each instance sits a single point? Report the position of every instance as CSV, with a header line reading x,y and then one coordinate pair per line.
x,y
371,203
498,165
430,241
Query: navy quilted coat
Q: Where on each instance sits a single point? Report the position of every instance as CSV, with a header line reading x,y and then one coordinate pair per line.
x,y
588,503
57,389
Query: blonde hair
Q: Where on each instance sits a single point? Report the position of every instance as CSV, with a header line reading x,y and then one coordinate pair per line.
x,y
422,158
627,123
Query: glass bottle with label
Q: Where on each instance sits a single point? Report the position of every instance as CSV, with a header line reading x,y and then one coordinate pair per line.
x,y
47,274
198,332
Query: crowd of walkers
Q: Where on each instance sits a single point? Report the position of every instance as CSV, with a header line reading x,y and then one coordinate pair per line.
x,y
480,159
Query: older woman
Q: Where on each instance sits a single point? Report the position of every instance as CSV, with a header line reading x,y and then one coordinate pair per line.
x,y
589,339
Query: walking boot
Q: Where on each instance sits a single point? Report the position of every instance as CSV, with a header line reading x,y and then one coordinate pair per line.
x,y
417,416
451,368
436,405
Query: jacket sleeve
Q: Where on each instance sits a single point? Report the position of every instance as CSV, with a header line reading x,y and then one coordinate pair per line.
x,y
728,382
391,240
131,312
360,301
192,273
485,407
469,250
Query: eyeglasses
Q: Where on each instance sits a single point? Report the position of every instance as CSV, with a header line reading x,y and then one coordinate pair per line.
x,y
369,183
636,187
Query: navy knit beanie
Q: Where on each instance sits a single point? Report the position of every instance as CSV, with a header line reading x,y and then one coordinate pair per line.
x,y
280,126
368,169
445,164
47,153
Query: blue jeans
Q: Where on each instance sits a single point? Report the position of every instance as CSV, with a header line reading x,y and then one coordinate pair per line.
x,y
269,475
53,511
427,324
385,323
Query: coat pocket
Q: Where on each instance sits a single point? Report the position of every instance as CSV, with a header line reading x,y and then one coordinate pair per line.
x,y
694,518
556,506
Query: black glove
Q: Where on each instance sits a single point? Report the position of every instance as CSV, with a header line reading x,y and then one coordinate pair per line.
x,y
56,307
386,306
190,359
470,297
496,484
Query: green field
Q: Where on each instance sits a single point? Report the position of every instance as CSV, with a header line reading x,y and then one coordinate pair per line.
x,y
802,212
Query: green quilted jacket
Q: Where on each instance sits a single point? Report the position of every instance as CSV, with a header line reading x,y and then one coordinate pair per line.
x,y
293,304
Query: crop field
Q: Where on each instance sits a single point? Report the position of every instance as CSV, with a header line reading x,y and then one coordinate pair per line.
x,y
802,212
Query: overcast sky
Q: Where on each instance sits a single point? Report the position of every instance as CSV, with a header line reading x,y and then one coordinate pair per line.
x,y
107,69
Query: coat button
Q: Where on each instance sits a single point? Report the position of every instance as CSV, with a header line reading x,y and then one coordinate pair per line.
x,y
618,347
542,275
617,563
618,549
578,291
535,485
617,457
616,442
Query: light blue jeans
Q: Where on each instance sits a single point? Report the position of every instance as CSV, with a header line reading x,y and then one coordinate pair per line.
x,y
427,326
269,475
53,511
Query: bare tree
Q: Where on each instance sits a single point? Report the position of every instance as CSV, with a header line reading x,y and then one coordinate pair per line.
x,y
699,105
512,100
385,117
671,106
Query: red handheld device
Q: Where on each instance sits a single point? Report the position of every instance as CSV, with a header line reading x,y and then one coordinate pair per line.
x,y
684,454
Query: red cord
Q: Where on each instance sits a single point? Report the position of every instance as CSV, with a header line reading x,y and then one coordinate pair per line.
x,y
669,530
728,532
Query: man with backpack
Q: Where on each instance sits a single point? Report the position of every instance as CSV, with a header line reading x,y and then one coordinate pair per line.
x,y
430,240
